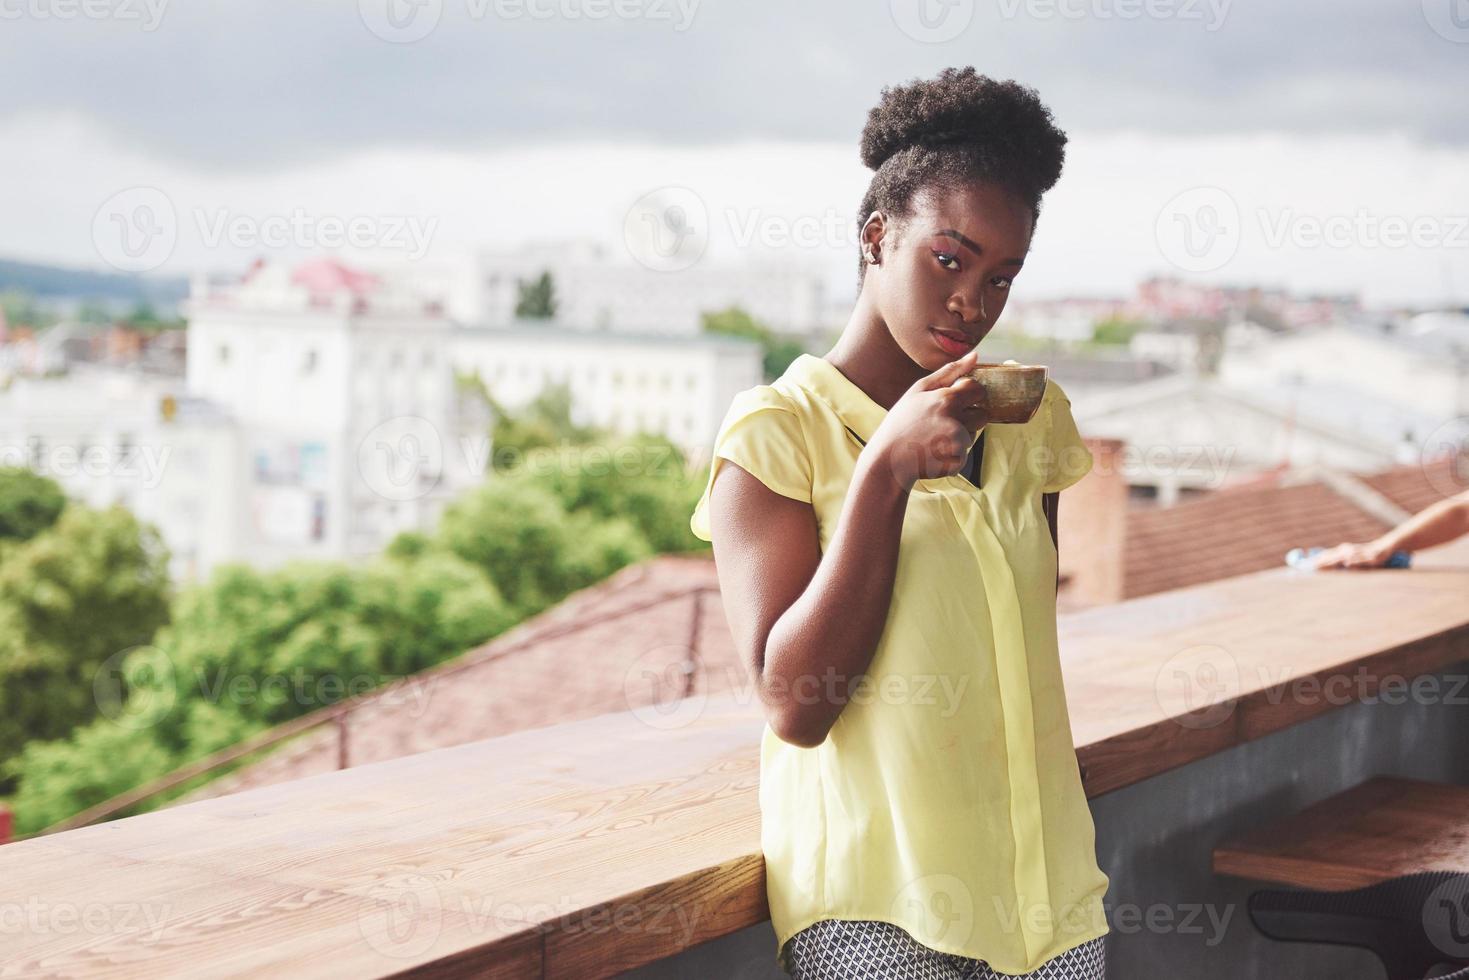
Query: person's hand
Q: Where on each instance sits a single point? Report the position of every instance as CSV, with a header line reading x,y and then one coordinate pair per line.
x,y
929,430
1367,554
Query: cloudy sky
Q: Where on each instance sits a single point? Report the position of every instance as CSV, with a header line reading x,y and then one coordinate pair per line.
x,y
1322,146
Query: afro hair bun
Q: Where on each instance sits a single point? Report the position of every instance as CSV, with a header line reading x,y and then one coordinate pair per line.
x,y
1004,121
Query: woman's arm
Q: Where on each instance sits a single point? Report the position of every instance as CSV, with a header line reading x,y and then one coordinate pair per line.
x,y
1440,523
806,624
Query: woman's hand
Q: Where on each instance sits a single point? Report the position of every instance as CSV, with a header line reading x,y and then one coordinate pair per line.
x,y
1367,554
929,430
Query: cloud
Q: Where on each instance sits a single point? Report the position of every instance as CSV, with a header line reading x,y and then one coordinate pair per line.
x,y
249,86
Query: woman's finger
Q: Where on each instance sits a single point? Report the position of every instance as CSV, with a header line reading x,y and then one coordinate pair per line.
x,y
951,372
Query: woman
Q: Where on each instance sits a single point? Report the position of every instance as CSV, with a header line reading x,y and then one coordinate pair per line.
x,y
888,565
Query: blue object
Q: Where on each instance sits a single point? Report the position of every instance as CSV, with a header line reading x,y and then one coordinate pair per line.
x,y
1305,558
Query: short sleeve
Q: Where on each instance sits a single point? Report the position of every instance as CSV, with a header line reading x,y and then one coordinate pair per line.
x,y
1069,458
762,433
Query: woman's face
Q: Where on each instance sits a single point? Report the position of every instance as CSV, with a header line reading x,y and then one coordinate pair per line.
x,y
946,273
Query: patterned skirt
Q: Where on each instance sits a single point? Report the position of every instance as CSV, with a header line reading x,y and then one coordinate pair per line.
x,y
841,949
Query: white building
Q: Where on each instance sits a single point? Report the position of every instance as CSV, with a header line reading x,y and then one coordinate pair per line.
x,y
343,391
597,289
678,386
1190,433
109,436
1421,364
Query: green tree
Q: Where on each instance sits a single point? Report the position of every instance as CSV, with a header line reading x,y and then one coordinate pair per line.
x,y
777,352
537,299
249,650
29,503
1115,330
88,589
530,546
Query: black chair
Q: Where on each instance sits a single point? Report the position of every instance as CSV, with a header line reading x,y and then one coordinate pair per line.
x,y
1413,923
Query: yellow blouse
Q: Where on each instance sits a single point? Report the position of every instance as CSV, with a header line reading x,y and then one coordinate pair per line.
x,y
946,799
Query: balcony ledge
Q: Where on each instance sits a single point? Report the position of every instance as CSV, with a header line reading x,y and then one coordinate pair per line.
x,y
595,847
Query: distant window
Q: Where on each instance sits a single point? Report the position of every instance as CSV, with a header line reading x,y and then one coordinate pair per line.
x,y
308,363
224,353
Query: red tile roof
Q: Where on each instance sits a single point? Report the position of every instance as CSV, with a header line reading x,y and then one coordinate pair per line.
x,y
1250,528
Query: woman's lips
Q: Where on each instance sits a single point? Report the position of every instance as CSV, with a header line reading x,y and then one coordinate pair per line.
x,y
953,343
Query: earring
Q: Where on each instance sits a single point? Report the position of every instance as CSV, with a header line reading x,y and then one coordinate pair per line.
x,y
868,256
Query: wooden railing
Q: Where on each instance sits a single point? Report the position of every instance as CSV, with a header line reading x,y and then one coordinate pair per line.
x,y
586,849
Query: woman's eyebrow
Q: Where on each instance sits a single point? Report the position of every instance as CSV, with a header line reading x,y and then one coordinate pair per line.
x,y
972,245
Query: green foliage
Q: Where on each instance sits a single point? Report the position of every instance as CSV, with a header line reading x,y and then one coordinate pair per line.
x,y
97,763
1115,330
531,548
91,587
777,352
543,424
250,650
29,503
642,478
20,309
537,299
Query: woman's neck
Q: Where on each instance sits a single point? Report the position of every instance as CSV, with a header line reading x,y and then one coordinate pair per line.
x,y
869,357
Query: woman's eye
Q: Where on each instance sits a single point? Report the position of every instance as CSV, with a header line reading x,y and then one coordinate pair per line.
x,y
1002,281
945,257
